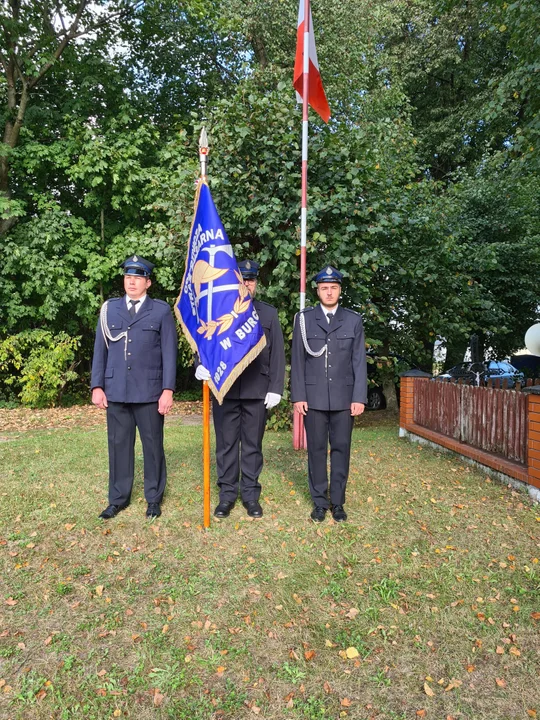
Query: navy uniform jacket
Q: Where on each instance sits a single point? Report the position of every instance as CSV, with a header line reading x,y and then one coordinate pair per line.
x,y
267,372
139,369
342,379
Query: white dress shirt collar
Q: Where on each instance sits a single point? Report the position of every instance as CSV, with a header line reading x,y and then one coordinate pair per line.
x,y
332,310
138,305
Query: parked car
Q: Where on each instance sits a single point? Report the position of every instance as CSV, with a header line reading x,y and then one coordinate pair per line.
x,y
376,363
478,373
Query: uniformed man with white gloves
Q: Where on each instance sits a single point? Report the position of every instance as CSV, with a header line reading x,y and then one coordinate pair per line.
x,y
240,421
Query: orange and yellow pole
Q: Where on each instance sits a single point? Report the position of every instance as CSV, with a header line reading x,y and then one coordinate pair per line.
x,y
206,454
203,154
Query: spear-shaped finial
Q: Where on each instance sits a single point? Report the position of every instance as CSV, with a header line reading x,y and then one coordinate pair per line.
x,y
203,150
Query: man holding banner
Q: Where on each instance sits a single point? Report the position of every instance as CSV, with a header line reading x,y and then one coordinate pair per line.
x,y
240,421
218,317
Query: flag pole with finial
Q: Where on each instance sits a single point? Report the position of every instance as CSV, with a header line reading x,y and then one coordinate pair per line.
x,y
203,155
299,433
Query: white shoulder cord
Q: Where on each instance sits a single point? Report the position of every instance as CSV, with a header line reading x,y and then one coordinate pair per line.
x,y
107,335
322,351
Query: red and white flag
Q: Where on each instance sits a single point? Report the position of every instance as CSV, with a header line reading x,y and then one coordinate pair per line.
x,y
317,98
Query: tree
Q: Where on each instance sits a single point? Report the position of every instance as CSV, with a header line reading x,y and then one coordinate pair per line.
x,y
34,36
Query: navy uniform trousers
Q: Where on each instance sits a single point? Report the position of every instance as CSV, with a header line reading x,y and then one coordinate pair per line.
x,y
321,427
122,420
239,426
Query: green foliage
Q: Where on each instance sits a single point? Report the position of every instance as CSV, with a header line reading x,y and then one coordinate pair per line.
x,y
38,363
422,188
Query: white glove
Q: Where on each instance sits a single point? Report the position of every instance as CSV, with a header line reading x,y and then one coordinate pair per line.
x,y
271,400
201,373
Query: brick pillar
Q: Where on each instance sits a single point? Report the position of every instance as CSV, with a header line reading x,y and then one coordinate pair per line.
x,y
406,404
533,438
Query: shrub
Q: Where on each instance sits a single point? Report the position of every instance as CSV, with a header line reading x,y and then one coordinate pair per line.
x,y
37,365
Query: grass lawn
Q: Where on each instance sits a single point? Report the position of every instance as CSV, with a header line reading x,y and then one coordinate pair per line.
x,y
425,604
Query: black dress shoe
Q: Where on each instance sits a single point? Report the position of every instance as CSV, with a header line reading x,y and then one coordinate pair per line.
x,y
153,510
112,511
338,513
223,510
254,509
318,513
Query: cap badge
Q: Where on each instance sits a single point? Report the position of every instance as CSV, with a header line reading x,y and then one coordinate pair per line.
x,y
135,258
248,265
329,270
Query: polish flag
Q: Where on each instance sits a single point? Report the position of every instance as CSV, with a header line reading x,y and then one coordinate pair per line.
x,y
317,98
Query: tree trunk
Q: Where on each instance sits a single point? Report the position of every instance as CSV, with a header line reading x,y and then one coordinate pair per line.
x,y
389,390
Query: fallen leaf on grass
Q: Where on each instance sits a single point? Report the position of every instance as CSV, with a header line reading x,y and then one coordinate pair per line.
x,y
309,654
327,687
421,713
41,694
499,650
99,590
353,612
470,668
11,602
453,684
500,682
158,698
514,651
117,713
351,653
535,615
346,702
427,689
531,713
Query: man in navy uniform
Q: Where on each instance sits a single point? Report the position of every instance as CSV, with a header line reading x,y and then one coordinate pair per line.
x,y
328,388
240,421
133,379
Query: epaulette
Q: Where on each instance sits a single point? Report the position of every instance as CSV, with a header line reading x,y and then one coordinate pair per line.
x,y
161,302
262,302
305,310
351,311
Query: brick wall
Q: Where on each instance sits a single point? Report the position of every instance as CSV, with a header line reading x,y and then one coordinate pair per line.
x,y
533,440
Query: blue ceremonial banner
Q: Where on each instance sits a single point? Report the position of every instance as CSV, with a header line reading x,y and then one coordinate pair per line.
x,y
214,306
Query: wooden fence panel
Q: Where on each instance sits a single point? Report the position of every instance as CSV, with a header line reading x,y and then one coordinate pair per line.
x,y
437,407
487,418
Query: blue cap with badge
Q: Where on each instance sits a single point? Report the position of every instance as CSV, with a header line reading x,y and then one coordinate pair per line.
x,y
249,269
136,265
328,274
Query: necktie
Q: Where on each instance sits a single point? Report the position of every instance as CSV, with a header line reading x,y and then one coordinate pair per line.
x,y
329,317
132,310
